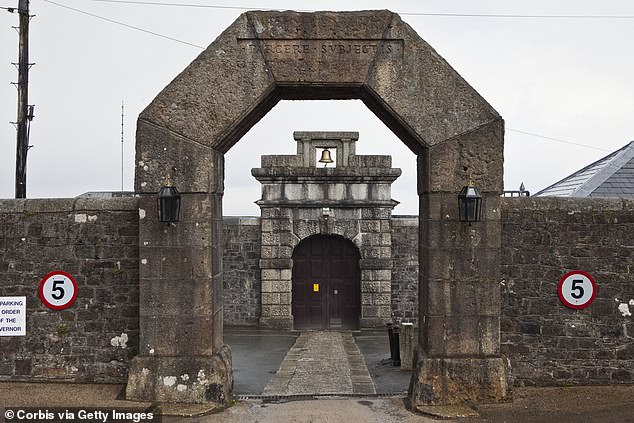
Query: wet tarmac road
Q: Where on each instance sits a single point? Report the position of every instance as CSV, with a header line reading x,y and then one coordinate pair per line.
x,y
258,353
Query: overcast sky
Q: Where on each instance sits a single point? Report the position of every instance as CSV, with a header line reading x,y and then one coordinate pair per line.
x,y
560,77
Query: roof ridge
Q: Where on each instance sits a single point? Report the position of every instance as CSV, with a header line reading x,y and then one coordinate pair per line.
x,y
620,157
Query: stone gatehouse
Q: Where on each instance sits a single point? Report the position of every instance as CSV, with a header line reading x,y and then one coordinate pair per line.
x,y
307,206
304,201
242,281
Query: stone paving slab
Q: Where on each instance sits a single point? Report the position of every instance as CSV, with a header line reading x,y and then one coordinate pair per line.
x,y
322,362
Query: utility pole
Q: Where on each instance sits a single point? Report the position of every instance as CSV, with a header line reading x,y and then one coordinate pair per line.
x,y
25,112
121,145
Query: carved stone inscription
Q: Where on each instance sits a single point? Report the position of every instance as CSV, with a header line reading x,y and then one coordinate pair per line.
x,y
325,48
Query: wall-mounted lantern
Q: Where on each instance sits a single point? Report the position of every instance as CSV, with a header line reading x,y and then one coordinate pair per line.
x,y
470,204
169,203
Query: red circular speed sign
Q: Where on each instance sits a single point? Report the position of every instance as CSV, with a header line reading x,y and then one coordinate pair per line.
x,y
58,290
577,289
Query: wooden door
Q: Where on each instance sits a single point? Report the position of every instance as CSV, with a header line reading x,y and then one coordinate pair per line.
x,y
326,284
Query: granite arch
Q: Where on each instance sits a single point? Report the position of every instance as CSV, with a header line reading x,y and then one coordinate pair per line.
x,y
262,58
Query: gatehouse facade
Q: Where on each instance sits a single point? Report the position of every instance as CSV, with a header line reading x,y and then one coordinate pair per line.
x,y
311,277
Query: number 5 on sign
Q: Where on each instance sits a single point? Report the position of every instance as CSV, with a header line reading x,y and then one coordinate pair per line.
x,y
577,289
58,290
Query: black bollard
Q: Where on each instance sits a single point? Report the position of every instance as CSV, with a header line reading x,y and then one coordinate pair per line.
x,y
397,346
390,335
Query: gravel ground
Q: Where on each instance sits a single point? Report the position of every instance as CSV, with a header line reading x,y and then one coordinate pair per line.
x,y
349,410
602,404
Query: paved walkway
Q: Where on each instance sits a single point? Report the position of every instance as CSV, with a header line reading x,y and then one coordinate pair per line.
x,y
322,362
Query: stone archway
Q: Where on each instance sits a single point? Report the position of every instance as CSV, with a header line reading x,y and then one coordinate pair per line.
x,y
264,57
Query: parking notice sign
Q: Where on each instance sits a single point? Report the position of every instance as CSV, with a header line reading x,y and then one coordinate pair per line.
x,y
577,289
58,290
12,316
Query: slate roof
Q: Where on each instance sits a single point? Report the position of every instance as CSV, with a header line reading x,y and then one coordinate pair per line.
x,y
611,176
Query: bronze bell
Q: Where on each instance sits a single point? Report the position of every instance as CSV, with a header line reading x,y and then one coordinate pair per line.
x,y
325,157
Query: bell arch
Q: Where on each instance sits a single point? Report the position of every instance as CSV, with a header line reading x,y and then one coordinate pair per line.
x,y
264,57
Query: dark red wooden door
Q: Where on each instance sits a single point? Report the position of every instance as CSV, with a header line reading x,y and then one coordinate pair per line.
x,y
326,284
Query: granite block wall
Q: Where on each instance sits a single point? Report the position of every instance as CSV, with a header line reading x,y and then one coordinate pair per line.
x,y
405,269
241,264
546,342
542,239
96,241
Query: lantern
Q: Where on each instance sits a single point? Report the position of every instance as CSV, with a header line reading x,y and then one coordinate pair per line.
x,y
470,204
169,204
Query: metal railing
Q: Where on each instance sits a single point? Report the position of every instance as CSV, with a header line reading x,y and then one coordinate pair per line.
x,y
516,193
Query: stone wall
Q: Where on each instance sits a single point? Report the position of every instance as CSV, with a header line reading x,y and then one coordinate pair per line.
x,y
405,268
96,241
241,264
548,343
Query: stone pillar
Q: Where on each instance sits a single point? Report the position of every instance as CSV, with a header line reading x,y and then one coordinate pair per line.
x,y
181,353
376,267
407,345
458,354
276,268
276,298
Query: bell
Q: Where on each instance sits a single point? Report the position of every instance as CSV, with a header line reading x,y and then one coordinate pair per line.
x,y
325,157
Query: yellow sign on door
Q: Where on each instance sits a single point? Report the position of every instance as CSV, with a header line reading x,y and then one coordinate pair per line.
x,y
315,287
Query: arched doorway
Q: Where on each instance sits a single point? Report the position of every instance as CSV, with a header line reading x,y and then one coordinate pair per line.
x,y
326,284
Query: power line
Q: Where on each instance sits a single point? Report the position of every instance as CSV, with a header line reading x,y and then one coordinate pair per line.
x,y
510,16
202,6
449,15
152,3
556,139
416,14
124,24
